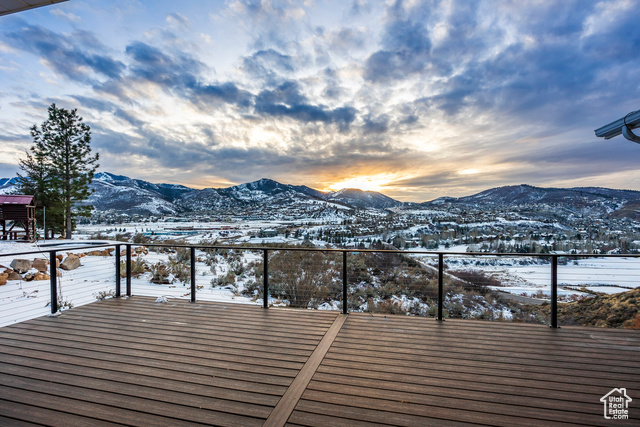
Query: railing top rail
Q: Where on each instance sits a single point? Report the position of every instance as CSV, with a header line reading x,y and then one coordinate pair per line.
x,y
337,250
394,251
64,249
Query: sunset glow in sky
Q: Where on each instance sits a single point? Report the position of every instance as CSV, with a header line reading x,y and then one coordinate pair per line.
x,y
416,99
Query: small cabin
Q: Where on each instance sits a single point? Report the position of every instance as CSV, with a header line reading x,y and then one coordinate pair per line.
x,y
18,217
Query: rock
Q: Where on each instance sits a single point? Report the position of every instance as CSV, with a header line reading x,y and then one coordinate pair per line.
x,y
12,275
59,258
40,264
106,252
21,265
41,276
3,278
29,277
142,250
70,263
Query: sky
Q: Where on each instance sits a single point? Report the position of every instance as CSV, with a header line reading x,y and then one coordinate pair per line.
x,y
415,99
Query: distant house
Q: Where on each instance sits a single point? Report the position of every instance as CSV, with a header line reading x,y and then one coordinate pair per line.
x,y
269,232
18,217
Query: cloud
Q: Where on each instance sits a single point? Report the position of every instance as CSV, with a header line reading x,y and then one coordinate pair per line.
x,y
266,20
268,65
226,92
314,90
151,64
406,49
287,100
71,17
79,56
8,170
178,21
375,125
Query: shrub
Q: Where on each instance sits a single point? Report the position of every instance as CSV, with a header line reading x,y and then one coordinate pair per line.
x,y
228,279
138,267
180,270
140,238
160,274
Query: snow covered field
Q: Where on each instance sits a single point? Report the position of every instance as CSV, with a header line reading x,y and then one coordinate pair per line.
x,y
21,300
95,278
606,275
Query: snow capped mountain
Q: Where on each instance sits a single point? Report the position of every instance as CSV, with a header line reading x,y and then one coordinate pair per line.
x,y
266,198
120,193
168,192
7,185
261,198
576,201
362,199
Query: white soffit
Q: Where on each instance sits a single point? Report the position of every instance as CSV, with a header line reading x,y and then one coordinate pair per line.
x,y
12,6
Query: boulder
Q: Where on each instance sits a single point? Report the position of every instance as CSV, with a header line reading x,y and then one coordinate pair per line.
x,y
40,264
106,252
59,257
12,275
21,265
141,250
41,276
29,277
71,262
3,278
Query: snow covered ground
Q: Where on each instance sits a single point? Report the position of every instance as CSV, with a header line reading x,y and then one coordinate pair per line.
x,y
95,278
531,276
21,300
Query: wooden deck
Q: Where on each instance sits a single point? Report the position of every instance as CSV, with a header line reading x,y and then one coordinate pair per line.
x,y
137,362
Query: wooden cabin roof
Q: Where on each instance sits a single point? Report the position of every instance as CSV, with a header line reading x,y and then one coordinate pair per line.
x,y
16,199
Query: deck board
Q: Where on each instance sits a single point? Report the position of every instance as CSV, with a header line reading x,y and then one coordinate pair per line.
x,y
391,369
136,362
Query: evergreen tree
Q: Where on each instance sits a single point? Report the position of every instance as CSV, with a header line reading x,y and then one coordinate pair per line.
x,y
61,167
34,182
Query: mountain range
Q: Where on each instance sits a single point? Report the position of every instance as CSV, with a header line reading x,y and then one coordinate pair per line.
x,y
594,202
268,198
258,198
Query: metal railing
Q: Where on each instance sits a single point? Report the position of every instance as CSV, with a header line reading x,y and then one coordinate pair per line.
x,y
337,255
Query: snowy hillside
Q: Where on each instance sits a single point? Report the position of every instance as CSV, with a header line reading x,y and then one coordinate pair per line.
x,y
589,201
264,197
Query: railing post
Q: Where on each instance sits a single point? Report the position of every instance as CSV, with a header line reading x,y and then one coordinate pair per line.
x,y
440,285
117,271
128,269
193,274
554,291
53,278
265,280
345,301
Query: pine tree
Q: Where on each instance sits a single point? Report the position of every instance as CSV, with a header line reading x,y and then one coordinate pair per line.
x,y
61,167
35,182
